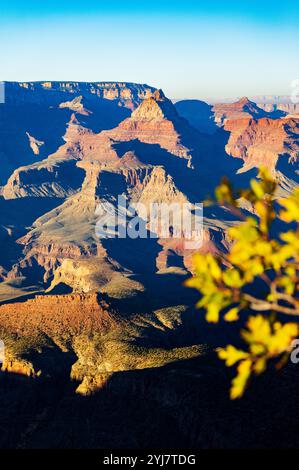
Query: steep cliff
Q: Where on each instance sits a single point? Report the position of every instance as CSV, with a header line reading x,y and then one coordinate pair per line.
x,y
265,142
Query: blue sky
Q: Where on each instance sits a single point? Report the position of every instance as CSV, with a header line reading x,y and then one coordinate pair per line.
x,y
189,48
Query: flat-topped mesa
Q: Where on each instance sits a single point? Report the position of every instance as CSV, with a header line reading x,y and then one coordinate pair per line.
x,y
53,93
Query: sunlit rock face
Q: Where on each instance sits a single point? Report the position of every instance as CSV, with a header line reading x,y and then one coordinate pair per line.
x,y
55,93
261,142
242,109
266,135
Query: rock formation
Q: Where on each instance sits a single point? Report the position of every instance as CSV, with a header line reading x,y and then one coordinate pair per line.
x,y
263,142
242,109
262,136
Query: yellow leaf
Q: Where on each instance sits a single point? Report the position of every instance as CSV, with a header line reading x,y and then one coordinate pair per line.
x,y
265,175
257,189
232,278
291,205
281,340
260,366
193,282
240,381
224,193
214,267
257,349
212,315
232,315
231,355
259,330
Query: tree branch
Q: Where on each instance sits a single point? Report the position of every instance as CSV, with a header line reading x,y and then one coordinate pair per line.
x,y
263,306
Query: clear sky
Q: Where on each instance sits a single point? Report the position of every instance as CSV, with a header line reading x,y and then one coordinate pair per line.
x,y
190,49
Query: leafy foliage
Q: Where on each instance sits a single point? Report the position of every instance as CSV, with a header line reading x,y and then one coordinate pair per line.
x,y
228,284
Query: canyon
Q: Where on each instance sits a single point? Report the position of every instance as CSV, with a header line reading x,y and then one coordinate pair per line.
x,y
101,318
